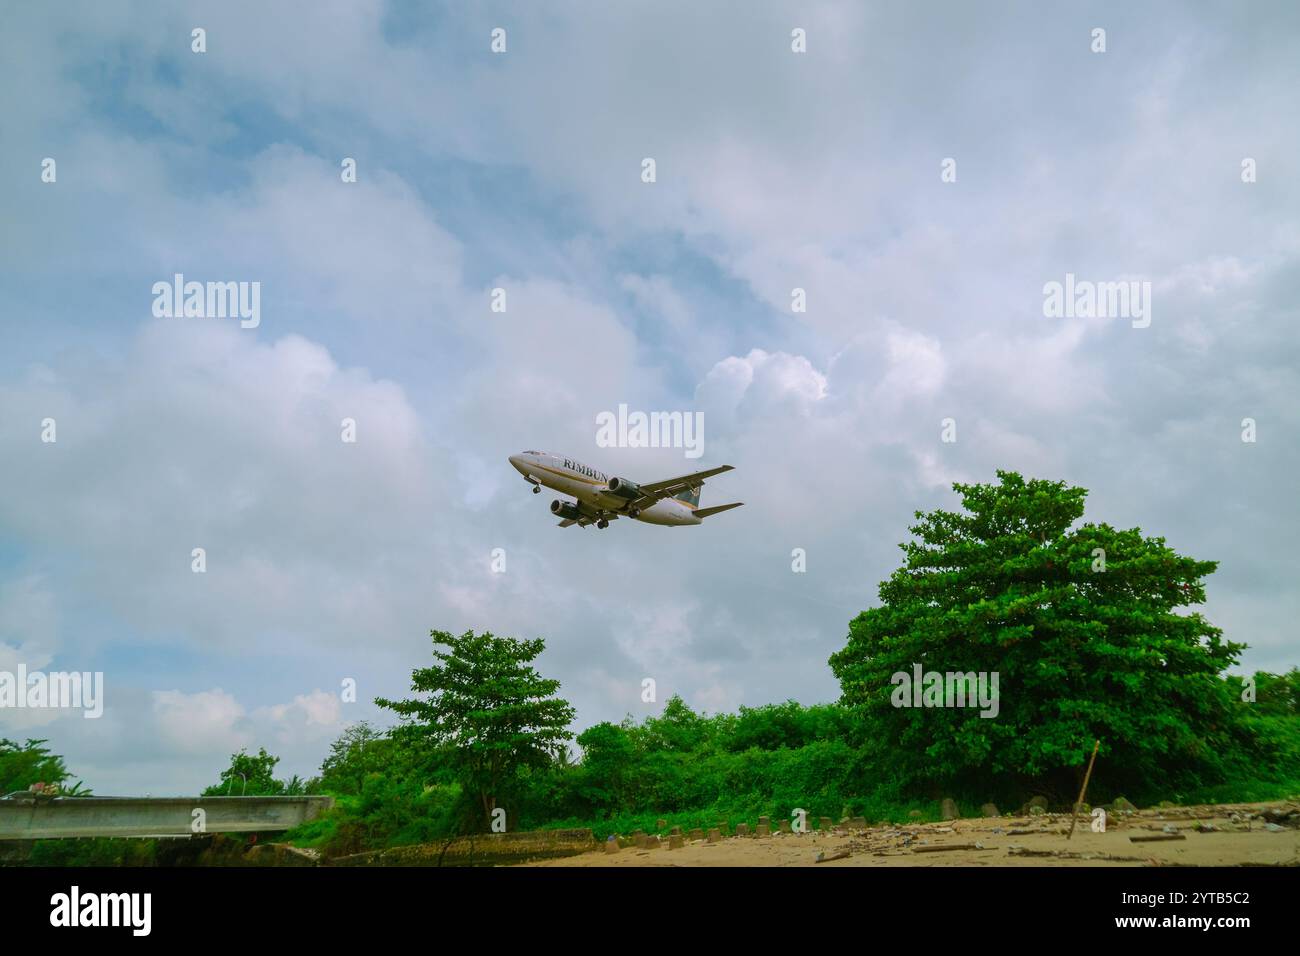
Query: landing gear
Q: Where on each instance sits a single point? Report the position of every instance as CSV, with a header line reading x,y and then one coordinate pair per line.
x,y
602,524
633,512
537,489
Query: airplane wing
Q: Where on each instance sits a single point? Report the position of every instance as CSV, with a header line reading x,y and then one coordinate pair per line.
x,y
657,490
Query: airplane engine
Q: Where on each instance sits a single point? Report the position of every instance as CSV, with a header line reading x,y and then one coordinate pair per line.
x,y
624,488
565,510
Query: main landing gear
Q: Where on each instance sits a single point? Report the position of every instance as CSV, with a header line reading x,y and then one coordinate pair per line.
x,y
602,524
537,489
633,512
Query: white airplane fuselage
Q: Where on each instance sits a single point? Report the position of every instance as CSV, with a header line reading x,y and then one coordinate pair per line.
x,y
591,488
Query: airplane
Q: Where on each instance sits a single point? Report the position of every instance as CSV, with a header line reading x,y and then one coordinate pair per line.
x,y
602,498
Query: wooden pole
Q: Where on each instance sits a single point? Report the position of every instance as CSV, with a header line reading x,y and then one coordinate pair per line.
x,y
1084,789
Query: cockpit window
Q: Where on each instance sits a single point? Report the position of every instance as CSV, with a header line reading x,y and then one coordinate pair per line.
x,y
532,453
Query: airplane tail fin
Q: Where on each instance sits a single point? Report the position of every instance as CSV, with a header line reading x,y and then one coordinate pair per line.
x,y
705,512
691,496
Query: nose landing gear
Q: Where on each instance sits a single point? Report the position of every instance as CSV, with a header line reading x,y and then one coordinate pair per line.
x,y
537,489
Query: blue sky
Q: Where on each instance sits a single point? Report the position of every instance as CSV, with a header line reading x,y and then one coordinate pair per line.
x,y
521,170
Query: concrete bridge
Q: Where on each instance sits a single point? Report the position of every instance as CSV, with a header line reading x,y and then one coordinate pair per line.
x,y
39,818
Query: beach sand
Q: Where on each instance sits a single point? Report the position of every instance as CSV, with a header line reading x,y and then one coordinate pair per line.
x,y
1241,835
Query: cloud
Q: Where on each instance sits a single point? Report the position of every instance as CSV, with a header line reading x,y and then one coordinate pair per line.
x,y
329,560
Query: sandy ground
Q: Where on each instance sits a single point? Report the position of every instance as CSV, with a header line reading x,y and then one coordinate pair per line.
x,y
1241,835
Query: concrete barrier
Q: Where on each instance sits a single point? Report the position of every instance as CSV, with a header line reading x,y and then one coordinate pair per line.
x,y
69,817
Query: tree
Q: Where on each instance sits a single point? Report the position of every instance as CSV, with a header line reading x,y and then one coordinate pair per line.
x,y
1078,623
250,776
678,728
30,763
488,711
609,758
359,751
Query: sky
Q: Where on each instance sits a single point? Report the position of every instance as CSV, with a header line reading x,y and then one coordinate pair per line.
x,y
920,171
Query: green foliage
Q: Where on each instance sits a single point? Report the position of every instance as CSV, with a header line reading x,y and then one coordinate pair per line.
x,y
22,765
96,851
251,775
1008,586
609,764
358,752
1275,694
488,713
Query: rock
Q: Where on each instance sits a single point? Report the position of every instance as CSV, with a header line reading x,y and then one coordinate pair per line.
x,y
1035,801
763,830
948,809
1274,827
742,829
611,845
675,841
697,834
1122,806
765,821
715,835
785,826
676,831
1036,811
660,824
989,810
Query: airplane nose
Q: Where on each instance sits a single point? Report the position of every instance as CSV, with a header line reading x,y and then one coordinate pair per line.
x,y
518,462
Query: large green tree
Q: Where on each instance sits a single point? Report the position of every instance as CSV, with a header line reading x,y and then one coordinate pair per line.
x,y
487,711
1080,622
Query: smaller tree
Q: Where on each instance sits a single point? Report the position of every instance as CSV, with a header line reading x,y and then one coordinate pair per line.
x,y
249,775
487,710
359,751
22,766
609,759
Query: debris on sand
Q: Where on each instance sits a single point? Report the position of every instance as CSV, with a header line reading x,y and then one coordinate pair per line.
x,y
1158,837
947,846
823,858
